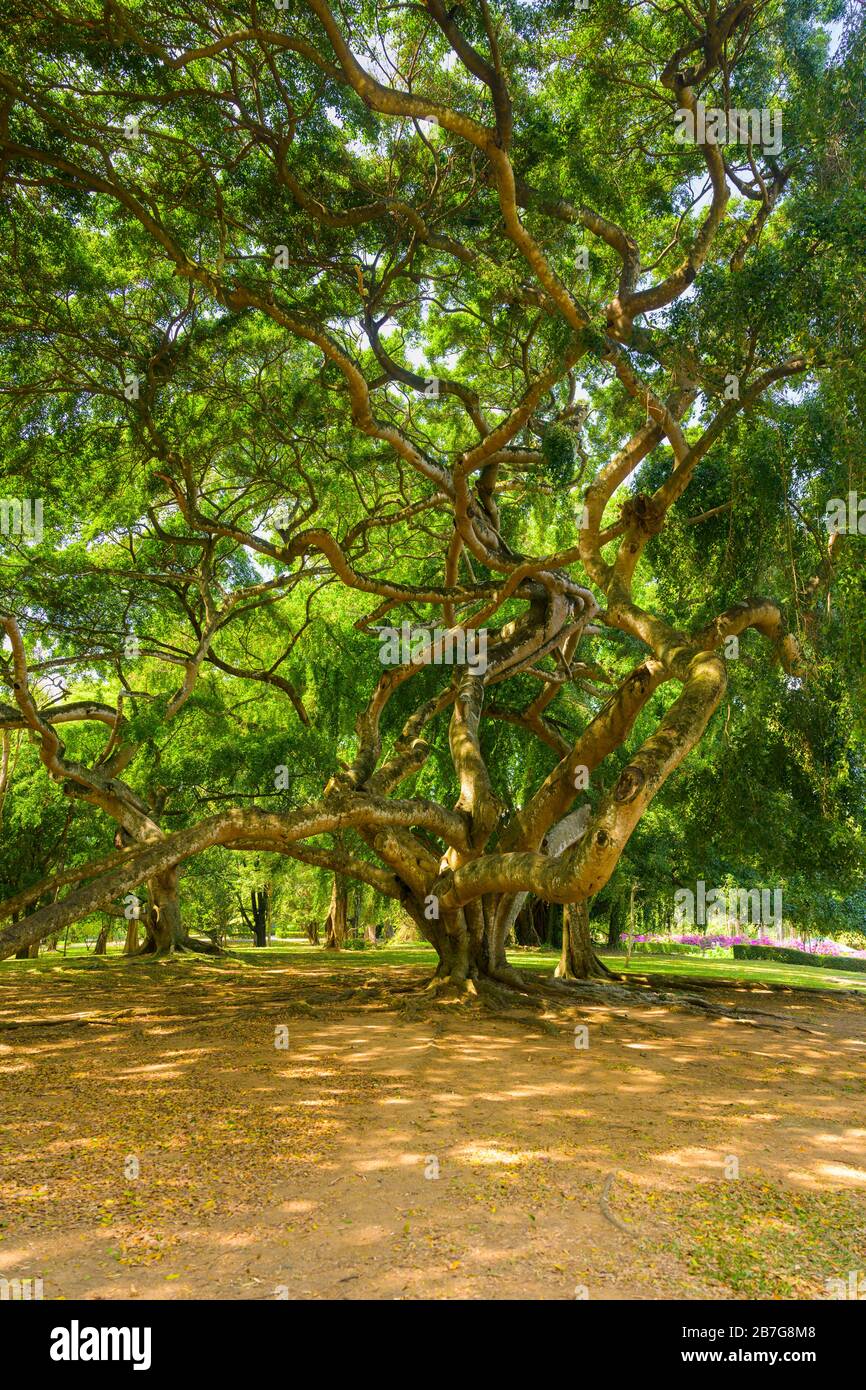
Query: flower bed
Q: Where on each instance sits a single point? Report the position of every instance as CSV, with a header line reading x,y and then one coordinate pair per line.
x,y
694,944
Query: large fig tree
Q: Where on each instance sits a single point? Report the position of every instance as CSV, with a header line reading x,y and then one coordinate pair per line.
x,y
385,360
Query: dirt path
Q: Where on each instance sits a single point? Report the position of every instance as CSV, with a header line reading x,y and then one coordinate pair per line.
x,y
311,1172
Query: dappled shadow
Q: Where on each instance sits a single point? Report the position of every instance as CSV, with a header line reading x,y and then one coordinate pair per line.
x,y
389,1152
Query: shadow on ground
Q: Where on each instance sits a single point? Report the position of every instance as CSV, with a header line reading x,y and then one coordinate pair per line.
x,y
399,1149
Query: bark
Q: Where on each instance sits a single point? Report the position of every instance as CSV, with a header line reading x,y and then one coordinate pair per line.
x,y
578,960
312,930
101,947
130,946
335,926
20,954
164,931
26,952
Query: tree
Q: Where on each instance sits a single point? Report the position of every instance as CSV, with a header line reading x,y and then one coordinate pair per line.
x,y
335,926
432,310
260,921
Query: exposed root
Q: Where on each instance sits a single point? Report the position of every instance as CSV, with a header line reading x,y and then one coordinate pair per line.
x,y
205,948
507,975
512,989
603,993
513,993
500,996
187,944
611,1216
452,987
68,1021
598,971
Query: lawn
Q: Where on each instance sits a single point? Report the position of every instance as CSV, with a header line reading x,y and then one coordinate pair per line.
x,y
675,969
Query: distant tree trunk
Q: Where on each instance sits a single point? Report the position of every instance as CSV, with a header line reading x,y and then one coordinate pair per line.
x,y
553,925
357,912
260,902
312,930
130,945
100,949
614,924
630,923
335,926
530,927
578,960
259,923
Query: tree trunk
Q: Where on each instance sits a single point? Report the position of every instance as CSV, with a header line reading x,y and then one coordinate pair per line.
x,y
260,922
614,925
165,931
100,949
630,923
130,945
335,926
578,960
260,903
312,930
531,923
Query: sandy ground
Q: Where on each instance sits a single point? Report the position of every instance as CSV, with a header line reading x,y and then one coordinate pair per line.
x,y
398,1149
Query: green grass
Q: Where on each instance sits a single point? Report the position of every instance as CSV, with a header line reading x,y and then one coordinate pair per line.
x,y
763,1240
697,968
694,969
687,969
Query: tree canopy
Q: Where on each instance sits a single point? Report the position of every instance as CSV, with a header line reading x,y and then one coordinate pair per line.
x,y
415,449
